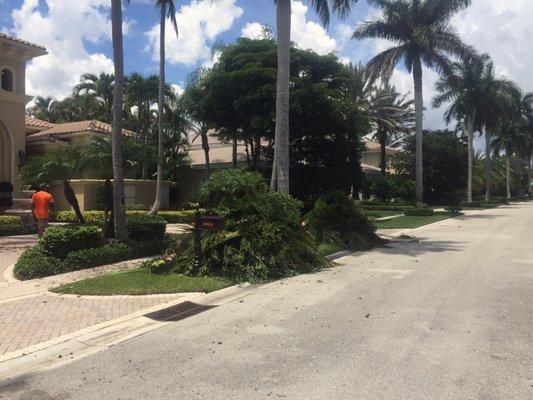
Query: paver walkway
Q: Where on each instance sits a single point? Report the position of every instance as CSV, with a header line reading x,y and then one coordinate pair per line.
x,y
30,314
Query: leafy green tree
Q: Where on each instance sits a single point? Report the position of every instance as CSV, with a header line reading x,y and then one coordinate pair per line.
x,y
43,108
62,164
422,34
280,170
445,160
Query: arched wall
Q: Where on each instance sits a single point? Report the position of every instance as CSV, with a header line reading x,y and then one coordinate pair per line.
x,y
7,154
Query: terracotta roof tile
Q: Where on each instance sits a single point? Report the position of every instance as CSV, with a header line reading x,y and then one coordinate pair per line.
x,y
372,146
38,123
74,127
21,41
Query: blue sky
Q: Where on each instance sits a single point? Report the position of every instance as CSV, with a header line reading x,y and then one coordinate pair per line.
x,y
77,35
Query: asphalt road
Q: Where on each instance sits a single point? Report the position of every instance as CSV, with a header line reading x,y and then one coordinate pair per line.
x,y
448,317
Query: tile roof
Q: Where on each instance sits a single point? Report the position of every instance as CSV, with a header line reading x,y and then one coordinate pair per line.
x,y
38,123
21,41
74,127
373,146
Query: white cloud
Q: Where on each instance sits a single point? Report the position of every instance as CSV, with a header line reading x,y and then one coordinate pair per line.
x,y
309,34
252,30
177,89
63,32
199,23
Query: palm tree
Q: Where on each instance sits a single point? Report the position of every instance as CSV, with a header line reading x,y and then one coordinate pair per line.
x,y
101,87
119,206
61,164
390,114
464,88
43,108
422,34
280,167
167,8
142,93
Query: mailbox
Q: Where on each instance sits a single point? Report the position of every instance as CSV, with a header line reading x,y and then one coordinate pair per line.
x,y
204,223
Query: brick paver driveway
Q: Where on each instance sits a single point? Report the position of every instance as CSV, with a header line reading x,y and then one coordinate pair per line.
x,y
30,315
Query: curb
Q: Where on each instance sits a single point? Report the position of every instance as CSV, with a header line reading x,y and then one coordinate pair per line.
x,y
90,340
9,274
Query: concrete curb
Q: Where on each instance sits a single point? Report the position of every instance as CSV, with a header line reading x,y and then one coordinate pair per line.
x,y
90,340
9,275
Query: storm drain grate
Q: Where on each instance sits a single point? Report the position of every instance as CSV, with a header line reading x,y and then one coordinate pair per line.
x,y
178,312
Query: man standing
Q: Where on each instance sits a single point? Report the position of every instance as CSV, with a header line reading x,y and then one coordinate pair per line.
x,y
41,204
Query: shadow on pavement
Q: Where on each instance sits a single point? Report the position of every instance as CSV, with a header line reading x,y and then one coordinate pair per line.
x,y
414,248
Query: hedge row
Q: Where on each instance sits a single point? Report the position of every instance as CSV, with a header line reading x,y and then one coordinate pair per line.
x,y
36,262
386,208
16,229
10,220
480,204
419,212
172,217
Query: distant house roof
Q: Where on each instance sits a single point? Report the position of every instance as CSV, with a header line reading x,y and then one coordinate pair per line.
x,y
20,41
22,48
373,146
53,131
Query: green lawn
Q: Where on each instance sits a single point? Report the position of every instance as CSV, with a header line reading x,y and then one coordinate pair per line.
x,y
141,282
329,248
409,222
380,213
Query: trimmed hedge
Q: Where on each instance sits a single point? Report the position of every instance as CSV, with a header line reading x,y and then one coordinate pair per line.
x,y
16,229
10,220
172,217
387,208
62,240
420,212
145,227
37,262
480,204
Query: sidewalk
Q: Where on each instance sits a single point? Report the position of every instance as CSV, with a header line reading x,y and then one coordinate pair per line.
x,y
31,315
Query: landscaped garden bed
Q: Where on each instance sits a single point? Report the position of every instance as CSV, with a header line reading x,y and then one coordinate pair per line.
x,y
171,217
11,225
71,248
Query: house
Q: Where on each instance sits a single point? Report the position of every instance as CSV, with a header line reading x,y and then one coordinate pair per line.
x,y
221,156
14,54
43,136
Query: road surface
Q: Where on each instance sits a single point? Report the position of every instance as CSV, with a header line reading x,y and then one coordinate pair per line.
x,y
447,317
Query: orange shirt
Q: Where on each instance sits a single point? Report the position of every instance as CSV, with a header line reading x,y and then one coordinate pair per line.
x,y
41,202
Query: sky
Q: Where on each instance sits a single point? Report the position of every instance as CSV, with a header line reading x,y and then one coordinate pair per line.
x,y
77,35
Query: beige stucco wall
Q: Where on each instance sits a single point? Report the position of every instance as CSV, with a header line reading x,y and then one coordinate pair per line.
x,y
12,121
138,192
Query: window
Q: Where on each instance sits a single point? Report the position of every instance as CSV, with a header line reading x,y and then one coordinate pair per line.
x,y
7,79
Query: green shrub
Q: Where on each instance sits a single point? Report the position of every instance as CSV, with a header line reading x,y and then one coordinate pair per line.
x,y
145,227
335,217
10,220
16,229
387,208
93,257
419,212
479,204
97,217
36,263
384,188
61,240
265,239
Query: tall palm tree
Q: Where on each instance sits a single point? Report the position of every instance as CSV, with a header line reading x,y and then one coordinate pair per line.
x,y
119,206
390,114
422,34
463,88
167,9
280,167
101,87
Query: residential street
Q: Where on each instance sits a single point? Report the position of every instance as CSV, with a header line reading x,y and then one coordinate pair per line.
x,y
447,317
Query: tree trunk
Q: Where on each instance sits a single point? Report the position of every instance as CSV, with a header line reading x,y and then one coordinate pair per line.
x,y
419,118
383,152
234,150
160,107
280,181
470,129
508,174
73,201
530,176
119,207
257,152
205,147
487,166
